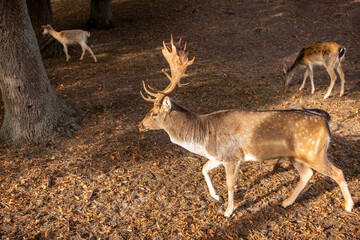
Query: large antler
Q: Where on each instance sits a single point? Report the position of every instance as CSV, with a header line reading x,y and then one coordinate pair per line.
x,y
176,56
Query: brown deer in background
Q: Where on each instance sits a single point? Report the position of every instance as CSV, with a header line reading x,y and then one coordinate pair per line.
x,y
327,54
230,137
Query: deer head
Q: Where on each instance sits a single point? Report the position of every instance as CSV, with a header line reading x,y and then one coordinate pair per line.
x,y
47,29
176,56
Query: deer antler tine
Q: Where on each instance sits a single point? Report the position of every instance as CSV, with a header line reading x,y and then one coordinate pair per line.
x,y
173,47
148,99
148,92
184,84
153,89
185,46
191,62
163,70
166,47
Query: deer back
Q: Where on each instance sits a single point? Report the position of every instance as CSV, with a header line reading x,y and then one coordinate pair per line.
x,y
249,135
319,53
73,36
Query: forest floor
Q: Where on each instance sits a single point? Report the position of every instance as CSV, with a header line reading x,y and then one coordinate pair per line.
x,y
111,182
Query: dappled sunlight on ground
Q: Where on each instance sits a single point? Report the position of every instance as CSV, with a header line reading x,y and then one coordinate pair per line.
x,y
109,180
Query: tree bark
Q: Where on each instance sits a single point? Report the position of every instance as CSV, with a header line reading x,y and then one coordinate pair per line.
x,y
32,109
41,14
100,15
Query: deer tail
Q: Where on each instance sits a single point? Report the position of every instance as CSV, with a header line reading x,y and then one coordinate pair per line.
x,y
318,112
342,52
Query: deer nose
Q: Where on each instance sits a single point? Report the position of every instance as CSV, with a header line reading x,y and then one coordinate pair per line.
x,y
142,127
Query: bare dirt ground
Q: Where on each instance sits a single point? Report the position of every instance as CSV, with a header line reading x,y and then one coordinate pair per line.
x,y
111,182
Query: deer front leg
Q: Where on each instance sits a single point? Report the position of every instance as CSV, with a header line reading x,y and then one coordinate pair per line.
x,y
311,75
304,81
231,169
66,52
210,165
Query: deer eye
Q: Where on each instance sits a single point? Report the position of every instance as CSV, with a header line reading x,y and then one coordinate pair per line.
x,y
154,115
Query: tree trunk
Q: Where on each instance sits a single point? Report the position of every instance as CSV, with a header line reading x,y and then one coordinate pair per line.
x,y
100,15
32,109
41,14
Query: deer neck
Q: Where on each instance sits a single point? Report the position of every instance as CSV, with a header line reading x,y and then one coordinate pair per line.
x,y
186,128
55,34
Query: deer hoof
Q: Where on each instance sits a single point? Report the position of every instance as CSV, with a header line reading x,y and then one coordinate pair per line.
x,y
286,203
348,206
228,212
218,198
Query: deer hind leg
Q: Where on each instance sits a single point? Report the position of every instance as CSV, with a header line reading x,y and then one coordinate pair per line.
x,y
277,164
342,77
305,175
91,52
210,165
327,168
330,69
231,169
305,77
66,52
83,52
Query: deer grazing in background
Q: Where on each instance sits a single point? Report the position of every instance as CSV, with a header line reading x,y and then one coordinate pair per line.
x,y
231,137
70,37
328,54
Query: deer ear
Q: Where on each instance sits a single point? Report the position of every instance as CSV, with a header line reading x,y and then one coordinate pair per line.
x,y
166,104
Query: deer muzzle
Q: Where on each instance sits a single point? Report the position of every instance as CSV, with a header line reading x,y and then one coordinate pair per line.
x,y
142,128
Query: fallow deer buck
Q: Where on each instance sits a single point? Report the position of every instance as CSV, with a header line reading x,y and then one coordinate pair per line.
x,y
230,137
327,54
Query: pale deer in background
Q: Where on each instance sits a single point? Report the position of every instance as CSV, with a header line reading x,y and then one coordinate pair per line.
x,y
327,54
71,37
231,137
